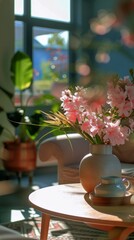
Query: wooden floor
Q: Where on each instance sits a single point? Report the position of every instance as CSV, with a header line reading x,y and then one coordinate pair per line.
x,y
15,206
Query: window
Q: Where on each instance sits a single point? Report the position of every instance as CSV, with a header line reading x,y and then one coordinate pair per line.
x,y
78,42
19,7
55,10
50,57
42,31
19,36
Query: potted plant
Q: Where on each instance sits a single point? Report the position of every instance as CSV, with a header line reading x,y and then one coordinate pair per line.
x,y
106,123
21,146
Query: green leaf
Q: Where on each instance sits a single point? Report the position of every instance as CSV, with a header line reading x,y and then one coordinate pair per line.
x,y
48,100
21,70
33,124
15,117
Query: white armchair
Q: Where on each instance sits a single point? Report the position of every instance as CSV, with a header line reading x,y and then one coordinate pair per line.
x,y
67,152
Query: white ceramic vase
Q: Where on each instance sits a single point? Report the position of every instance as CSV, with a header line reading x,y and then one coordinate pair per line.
x,y
97,164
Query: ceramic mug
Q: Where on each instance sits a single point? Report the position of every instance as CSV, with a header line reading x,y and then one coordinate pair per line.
x,y
112,186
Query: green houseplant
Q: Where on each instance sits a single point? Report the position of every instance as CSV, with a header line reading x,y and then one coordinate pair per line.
x,y
22,77
21,146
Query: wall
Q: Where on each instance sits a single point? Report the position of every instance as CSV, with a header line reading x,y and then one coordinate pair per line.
x,y
6,52
6,41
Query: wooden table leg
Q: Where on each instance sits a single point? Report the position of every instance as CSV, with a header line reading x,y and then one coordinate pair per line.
x,y
120,233
19,176
30,177
44,226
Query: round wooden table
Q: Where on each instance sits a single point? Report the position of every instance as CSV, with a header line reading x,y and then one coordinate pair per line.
x,y
70,201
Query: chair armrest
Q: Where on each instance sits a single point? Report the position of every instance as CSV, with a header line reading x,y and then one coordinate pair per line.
x,y
67,151
49,150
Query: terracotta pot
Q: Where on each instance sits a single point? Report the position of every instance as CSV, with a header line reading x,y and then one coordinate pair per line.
x,y
99,163
20,156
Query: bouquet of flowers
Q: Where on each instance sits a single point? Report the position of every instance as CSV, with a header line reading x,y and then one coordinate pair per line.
x,y
107,121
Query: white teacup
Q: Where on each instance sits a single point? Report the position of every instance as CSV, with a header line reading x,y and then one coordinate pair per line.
x,y
112,186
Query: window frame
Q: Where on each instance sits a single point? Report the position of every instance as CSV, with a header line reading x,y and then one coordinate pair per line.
x,y
72,26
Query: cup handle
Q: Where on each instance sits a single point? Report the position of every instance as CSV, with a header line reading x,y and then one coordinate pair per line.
x,y
127,183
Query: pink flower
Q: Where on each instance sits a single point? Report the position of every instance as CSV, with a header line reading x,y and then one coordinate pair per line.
x,y
108,122
130,92
116,96
71,116
125,110
92,125
121,96
115,134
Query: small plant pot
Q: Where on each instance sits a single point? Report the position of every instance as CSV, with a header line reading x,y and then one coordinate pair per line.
x,y
21,157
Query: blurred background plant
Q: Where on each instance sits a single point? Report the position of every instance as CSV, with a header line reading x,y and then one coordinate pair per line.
x,y
27,125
